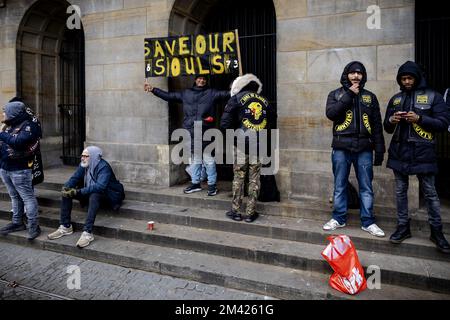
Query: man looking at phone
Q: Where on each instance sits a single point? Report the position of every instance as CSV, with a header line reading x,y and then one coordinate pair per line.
x,y
413,116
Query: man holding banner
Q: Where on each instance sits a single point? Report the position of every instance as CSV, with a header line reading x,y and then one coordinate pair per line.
x,y
198,105
200,56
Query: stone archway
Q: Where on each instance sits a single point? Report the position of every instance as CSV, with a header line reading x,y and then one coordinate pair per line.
x,y
45,78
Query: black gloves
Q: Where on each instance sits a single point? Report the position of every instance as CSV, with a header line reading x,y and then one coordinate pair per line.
x,y
378,159
69,192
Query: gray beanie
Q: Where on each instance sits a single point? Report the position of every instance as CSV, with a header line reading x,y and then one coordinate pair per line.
x,y
14,109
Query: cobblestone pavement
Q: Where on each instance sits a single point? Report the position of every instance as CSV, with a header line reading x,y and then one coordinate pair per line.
x,y
47,272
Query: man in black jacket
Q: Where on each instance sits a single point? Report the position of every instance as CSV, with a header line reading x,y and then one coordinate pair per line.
x,y
19,140
198,105
413,116
250,112
357,131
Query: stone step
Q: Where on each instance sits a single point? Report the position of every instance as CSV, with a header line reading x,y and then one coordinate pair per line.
x,y
267,226
398,270
313,210
278,282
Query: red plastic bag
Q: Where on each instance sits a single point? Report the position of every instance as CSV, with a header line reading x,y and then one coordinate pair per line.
x,y
348,276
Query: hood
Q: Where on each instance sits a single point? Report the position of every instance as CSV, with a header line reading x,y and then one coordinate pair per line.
x,y
248,81
14,111
95,156
344,77
412,68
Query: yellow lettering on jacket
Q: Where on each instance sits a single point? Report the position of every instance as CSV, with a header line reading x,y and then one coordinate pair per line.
x,y
367,122
421,132
346,123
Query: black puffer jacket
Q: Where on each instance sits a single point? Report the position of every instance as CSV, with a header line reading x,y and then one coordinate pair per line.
x,y
412,148
198,104
357,124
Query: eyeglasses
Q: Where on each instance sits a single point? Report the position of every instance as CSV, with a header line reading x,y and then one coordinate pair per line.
x,y
85,156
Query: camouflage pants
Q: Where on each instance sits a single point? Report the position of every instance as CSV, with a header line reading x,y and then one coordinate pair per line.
x,y
239,182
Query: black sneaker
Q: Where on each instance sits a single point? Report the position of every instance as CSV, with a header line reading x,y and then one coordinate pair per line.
x,y
402,233
193,188
212,190
12,227
233,215
251,218
33,232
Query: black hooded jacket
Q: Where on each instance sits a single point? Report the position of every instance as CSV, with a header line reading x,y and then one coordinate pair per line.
x,y
412,148
238,113
19,135
357,124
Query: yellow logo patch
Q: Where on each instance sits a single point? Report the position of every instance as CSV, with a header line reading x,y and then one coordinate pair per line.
x,y
422,99
397,101
367,99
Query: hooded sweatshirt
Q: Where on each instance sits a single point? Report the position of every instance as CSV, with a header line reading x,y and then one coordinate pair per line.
x,y
412,148
95,155
98,177
357,124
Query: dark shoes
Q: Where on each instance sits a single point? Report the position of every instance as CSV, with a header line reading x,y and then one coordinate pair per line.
x,y
437,237
252,217
402,232
238,217
33,232
12,227
234,215
212,190
193,188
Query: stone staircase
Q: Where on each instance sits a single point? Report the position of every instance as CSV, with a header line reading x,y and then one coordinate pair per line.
x,y
278,255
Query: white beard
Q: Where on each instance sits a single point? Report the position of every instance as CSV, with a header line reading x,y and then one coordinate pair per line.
x,y
84,164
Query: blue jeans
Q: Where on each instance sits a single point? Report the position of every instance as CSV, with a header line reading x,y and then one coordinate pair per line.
x,y
426,182
363,165
196,169
20,189
94,201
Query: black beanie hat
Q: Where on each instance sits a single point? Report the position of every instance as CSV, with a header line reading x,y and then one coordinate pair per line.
x,y
356,67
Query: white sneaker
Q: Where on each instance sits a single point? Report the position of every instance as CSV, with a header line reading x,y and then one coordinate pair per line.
x,y
332,225
62,231
85,239
374,230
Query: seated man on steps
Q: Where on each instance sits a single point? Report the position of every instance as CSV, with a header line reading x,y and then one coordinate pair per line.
x,y
94,183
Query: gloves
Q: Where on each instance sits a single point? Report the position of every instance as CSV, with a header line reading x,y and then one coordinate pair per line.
x,y
69,192
378,159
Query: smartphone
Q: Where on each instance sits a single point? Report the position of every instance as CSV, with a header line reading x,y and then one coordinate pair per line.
x,y
402,113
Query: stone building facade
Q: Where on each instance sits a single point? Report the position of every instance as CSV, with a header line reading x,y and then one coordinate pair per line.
x,y
315,39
